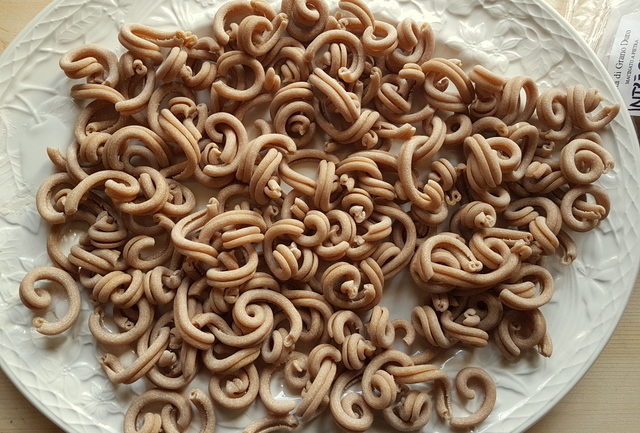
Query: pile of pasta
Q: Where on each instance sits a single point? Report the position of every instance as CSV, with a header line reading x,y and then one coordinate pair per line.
x,y
367,157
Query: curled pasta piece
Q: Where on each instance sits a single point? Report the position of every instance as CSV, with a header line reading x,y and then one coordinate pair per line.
x,y
553,114
527,137
145,42
520,292
323,361
117,373
545,229
583,161
581,215
130,330
343,286
379,387
489,159
381,330
411,413
397,96
463,379
235,390
343,323
489,87
107,231
175,412
342,102
319,311
283,260
273,424
273,405
254,27
354,70
307,19
416,43
225,29
38,298
262,175
436,70
120,186
431,198
474,215
521,330
243,317
292,112
581,102
296,371
380,39
51,197
464,329
510,107
427,324
177,366
226,63
93,62
461,267
349,410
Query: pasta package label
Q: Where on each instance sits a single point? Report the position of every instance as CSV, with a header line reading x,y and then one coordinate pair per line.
x,y
624,61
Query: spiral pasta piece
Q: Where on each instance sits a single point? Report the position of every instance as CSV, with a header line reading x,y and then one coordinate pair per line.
x,y
36,298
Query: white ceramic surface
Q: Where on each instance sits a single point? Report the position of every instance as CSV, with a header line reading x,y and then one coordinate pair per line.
x,y
60,375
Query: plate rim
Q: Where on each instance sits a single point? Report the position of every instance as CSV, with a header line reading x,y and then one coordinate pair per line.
x,y
628,122
13,378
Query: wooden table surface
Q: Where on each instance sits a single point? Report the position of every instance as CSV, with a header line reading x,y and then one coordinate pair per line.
x,y
607,399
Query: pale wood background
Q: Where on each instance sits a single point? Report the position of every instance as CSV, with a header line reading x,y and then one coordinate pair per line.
x,y
607,399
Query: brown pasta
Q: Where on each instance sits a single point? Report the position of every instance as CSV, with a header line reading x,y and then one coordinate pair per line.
x,y
349,176
37,298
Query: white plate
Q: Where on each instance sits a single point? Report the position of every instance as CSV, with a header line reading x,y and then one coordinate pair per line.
x,y
60,375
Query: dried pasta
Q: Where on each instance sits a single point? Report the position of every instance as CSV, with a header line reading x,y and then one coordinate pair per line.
x,y
282,271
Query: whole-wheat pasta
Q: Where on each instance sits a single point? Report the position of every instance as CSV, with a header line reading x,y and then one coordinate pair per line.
x,y
349,410
38,298
276,271
272,424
